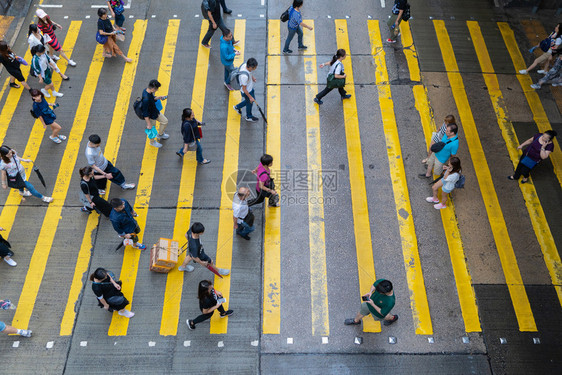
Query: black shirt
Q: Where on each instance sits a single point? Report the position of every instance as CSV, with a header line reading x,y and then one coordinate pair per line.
x,y
194,245
149,105
189,128
105,25
399,5
208,301
215,8
89,187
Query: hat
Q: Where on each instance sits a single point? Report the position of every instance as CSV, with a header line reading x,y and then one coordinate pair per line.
x,y
40,13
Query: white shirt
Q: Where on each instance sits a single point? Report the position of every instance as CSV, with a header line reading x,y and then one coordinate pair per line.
x,y
450,181
557,43
240,208
95,157
12,167
246,81
34,41
337,68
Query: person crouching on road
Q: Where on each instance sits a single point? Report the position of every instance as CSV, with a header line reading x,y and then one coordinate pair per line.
x,y
46,115
209,301
108,292
243,216
378,302
447,183
196,251
190,134
123,219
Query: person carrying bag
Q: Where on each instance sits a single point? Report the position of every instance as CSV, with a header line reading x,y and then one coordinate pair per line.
x,y
336,77
108,292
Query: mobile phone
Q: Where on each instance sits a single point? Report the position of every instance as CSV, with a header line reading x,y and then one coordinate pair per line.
x,y
365,298
164,97
221,300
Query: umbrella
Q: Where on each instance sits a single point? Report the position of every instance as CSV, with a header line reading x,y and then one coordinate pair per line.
x,y
40,176
213,270
261,112
437,179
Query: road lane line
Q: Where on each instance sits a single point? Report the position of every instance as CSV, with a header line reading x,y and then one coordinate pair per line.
x,y
465,291
414,273
129,268
539,115
271,321
504,247
174,280
536,213
229,173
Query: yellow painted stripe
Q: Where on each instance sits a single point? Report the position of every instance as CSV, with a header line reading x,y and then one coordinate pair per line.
x,y
5,22
174,281
414,274
360,207
410,51
539,115
129,268
272,234
512,275
229,174
536,213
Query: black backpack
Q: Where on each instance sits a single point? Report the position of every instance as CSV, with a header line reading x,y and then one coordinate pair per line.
x,y
137,106
406,14
285,16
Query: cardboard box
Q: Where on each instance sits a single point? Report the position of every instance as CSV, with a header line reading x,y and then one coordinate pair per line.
x,y
164,255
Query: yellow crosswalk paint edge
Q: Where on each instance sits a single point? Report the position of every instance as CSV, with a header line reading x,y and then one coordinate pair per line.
x,y
271,321
504,247
360,207
129,268
414,274
539,115
4,87
229,177
536,213
410,52
174,280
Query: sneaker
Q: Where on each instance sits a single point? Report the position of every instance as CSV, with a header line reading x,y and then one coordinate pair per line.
x,y
102,192
224,271
126,187
423,175
246,237
206,46
431,200
351,322
190,324
25,333
227,313
346,96
58,94
390,41
164,136
237,110
523,71
228,87
47,199
71,63
557,84
288,51
533,49
389,322
227,11
541,71
55,57
10,262
62,137
187,268
14,85
25,193
180,153
156,144
206,161
140,246
439,206
126,313
55,139
86,209
318,101
45,93
535,86
252,119
303,47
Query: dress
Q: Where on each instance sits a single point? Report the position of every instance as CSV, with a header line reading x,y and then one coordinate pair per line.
x,y
48,29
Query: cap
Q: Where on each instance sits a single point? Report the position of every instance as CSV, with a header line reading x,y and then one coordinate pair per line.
x,y
40,13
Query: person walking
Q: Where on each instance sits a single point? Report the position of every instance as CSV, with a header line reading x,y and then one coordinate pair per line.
x,y
6,252
209,301
196,251
190,133
108,292
105,28
437,136
13,174
122,217
247,80
337,72
43,112
546,57
43,67
265,186
228,53
450,146
294,26
103,167
117,8
242,214
395,18
36,38
447,183
47,26
212,12
152,114
90,195
12,64
378,302
538,148
553,75
225,9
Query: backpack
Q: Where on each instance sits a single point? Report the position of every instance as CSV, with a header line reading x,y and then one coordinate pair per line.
x,y
406,14
285,16
545,44
137,106
235,77
460,182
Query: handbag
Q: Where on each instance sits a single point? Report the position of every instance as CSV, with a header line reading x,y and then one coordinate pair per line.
x,y
116,300
119,9
528,162
16,181
193,145
101,39
249,219
333,82
151,133
285,15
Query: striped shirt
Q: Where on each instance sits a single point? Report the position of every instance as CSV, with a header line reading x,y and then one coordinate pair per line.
x,y
295,18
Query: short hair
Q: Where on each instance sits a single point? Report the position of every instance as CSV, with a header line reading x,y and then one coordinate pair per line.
x,y
197,228
297,3
85,171
552,133
384,286
226,32
99,273
252,63
266,159
154,84
35,92
116,202
95,139
101,11
453,128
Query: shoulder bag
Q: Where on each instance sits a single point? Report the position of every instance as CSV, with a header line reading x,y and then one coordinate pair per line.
x,y
333,82
16,181
436,147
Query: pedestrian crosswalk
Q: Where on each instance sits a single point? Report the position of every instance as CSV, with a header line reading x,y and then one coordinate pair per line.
x,y
317,248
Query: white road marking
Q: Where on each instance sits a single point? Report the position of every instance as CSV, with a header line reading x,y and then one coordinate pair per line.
x,y
324,340
187,343
289,340
262,15
536,340
239,15
431,340
383,3
391,340
50,344
262,2
154,16
131,16
65,17
175,16
255,343
83,343
50,6
16,344
220,344
151,343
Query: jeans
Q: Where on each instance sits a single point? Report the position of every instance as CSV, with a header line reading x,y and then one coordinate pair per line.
x,y
32,190
246,103
211,31
199,152
223,5
117,179
203,317
393,31
244,229
227,70
292,33
324,92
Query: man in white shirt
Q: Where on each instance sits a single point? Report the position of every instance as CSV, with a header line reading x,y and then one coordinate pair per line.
x,y
103,167
242,214
247,80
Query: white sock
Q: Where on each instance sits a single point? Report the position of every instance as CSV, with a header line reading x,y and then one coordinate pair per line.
x,y
20,331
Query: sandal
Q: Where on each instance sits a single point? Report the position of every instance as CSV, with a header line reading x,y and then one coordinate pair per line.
x,y
524,181
14,85
510,178
424,161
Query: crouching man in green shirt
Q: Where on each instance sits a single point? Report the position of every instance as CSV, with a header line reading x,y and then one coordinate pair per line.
x,y
379,301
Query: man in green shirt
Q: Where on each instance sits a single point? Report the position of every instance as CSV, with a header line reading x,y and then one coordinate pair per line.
x,y
378,302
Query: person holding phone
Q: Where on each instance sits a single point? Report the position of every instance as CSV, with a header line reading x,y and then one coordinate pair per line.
x,y
209,301
378,302
151,112
538,148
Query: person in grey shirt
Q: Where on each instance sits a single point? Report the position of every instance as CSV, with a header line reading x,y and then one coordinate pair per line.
x,y
103,167
243,216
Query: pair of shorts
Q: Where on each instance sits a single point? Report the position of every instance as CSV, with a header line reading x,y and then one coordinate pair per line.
x,y
48,77
433,162
2,326
446,191
364,310
203,257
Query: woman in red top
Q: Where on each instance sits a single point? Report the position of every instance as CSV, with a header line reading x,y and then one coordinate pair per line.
x,y
265,186
48,27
